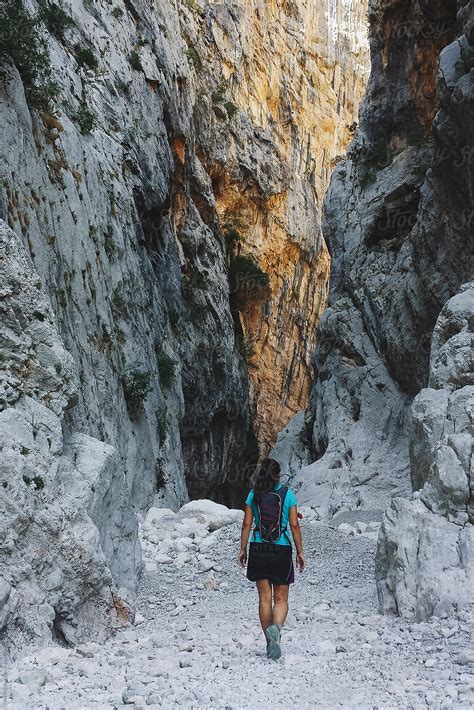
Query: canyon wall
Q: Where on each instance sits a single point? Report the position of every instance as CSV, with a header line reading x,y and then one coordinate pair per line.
x,y
69,550
398,221
185,135
424,562
299,70
162,166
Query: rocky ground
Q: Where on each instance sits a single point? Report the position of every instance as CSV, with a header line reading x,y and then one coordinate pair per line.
x,y
196,642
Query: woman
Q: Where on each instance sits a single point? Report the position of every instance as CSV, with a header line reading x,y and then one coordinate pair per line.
x,y
270,562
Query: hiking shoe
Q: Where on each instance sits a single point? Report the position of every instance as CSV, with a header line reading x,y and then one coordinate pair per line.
x,y
273,634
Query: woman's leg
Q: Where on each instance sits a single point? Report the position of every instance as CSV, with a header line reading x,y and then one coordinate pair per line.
x,y
264,603
280,605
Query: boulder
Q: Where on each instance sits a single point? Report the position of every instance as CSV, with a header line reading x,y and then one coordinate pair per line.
x,y
215,515
424,563
157,516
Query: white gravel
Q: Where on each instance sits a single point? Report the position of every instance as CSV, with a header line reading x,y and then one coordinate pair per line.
x,y
197,643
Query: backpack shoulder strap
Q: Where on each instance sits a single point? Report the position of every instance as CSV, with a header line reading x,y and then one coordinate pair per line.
x,y
283,491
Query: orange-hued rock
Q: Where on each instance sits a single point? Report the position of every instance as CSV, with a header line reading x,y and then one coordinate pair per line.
x,y
299,73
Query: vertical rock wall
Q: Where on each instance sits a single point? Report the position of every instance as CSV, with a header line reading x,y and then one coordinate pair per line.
x,y
299,70
398,220
398,242
69,550
178,125
424,563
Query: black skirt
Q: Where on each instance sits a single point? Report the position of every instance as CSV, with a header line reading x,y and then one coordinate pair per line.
x,y
269,561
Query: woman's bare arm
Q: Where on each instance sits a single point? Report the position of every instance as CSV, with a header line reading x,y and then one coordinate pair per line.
x,y
244,536
296,534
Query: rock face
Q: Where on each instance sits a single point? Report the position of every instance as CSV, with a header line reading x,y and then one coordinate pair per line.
x,y
398,220
166,250
398,234
288,65
68,533
425,559
185,133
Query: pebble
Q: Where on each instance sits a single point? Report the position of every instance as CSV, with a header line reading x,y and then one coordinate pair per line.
x,y
130,697
368,620
346,528
465,658
36,677
372,527
53,655
205,565
162,559
182,558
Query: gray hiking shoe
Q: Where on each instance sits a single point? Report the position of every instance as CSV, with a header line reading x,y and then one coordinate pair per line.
x,y
273,634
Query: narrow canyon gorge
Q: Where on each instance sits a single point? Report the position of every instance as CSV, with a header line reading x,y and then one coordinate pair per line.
x,y
169,200
230,230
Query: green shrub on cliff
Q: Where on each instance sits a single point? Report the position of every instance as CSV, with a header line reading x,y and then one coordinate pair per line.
x,y
37,481
134,59
166,369
86,118
85,57
246,277
136,386
23,43
56,20
192,54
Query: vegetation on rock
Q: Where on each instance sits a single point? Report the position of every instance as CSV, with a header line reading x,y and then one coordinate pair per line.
x,y
136,386
56,20
86,119
247,279
134,59
166,368
85,57
192,54
28,52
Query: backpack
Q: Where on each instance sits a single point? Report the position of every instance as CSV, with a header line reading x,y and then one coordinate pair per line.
x,y
270,510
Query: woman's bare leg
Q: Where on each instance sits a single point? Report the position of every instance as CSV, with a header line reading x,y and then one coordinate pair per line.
x,y
280,605
265,603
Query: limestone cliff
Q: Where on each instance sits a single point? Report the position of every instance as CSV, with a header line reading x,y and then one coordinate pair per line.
x,y
184,137
162,166
398,221
68,533
299,71
424,556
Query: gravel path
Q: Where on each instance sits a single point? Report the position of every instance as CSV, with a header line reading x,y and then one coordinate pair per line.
x,y
197,644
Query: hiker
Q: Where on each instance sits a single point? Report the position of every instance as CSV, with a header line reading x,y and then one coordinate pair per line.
x,y
270,559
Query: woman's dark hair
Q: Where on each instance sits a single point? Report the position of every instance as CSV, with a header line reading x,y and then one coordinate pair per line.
x,y
268,475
